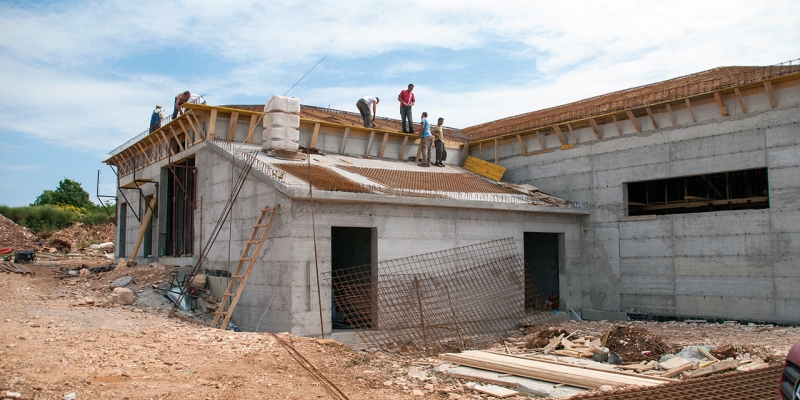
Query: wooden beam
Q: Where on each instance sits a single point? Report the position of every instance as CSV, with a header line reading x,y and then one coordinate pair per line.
x,y
192,120
522,145
383,145
540,136
633,120
595,128
169,151
212,124
771,94
177,139
574,135
616,123
251,130
314,136
560,135
721,104
143,228
689,106
369,143
671,115
741,100
403,148
344,139
189,137
144,153
464,153
652,117
232,126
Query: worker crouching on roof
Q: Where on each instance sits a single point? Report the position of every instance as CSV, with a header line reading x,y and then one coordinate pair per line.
x,y
368,107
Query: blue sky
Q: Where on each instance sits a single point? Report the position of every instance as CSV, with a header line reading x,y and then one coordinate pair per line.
x,y
80,78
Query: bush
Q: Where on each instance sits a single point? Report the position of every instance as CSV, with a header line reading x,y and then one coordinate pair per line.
x,y
47,218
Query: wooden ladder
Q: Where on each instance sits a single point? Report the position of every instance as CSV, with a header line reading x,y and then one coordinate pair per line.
x,y
239,279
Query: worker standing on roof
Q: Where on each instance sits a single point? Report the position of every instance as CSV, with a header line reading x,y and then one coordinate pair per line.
x,y
438,141
368,107
425,142
407,100
179,100
155,119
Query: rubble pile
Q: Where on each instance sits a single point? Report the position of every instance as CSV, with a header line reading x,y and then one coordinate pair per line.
x,y
16,237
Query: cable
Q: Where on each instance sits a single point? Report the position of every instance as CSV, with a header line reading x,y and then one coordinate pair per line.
x,y
309,71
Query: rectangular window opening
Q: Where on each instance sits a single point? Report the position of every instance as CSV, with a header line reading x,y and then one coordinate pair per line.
x,y
721,191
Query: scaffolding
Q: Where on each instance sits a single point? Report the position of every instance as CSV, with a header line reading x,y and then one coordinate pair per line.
x,y
452,300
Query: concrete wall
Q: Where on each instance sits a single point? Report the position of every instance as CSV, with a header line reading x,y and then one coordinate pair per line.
x,y
285,278
725,264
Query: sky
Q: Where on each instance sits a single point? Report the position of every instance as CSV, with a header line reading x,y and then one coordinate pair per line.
x,y
79,78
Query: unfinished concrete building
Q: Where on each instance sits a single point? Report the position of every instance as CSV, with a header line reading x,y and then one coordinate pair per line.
x,y
675,199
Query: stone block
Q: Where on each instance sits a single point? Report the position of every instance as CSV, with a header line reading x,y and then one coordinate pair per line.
x,y
122,296
288,105
279,119
283,138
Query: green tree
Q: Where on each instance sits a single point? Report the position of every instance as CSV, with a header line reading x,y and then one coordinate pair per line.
x,y
68,193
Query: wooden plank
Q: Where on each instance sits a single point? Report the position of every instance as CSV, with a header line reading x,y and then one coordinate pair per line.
x,y
495,152
671,115
689,106
512,385
652,117
616,123
484,168
674,362
177,139
560,135
251,130
464,154
189,139
522,145
741,100
232,126
212,124
677,370
403,148
690,204
369,143
143,228
494,391
771,94
540,136
595,128
144,153
574,135
383,144
721,104
553,343
717,367
166,140
313,143
344,140
558,373
195,123
633,120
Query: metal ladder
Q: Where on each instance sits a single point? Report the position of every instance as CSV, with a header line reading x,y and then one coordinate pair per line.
x,y
239,279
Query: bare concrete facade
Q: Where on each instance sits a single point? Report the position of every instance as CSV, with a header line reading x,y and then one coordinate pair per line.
x,y
741,264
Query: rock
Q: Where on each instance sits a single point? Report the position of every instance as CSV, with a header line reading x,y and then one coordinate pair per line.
x,y
418,393
106,303
387,383
12,395
125,295
69,396
198,282
605,388
429,387
123,263
121,282
84,272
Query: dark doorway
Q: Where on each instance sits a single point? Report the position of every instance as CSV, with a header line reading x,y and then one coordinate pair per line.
x,y
353,262
122,226
541,261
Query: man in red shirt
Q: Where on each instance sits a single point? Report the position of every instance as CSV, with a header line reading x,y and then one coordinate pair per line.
x,y
407,100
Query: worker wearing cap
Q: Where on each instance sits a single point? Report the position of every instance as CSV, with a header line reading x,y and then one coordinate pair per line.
x,y
155,119
407,100
368,107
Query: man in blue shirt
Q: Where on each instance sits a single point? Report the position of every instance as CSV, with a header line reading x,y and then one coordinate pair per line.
x,y
425,142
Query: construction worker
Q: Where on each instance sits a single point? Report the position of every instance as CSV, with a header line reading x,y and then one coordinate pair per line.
x,y
425,142
407,100
155,119
179,100
368,107
438,141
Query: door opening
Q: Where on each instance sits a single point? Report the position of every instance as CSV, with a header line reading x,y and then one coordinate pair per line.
x,y
353,260
541,262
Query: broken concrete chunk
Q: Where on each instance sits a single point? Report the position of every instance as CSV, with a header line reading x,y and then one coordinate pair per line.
x,y
198,282
121,282
124,296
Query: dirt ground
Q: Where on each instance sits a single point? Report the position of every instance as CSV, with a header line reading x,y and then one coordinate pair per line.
x,y
55,340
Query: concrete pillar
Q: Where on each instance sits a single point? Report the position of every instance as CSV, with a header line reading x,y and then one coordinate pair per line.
x,y
281,124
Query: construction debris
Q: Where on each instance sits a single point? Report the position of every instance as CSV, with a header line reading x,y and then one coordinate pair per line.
x,y
9,267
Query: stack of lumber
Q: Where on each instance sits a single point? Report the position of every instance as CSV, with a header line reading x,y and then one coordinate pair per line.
x,y
551,371
9,267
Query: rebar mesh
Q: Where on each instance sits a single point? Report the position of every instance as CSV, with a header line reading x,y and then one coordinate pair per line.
x,y
451,300
449,182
